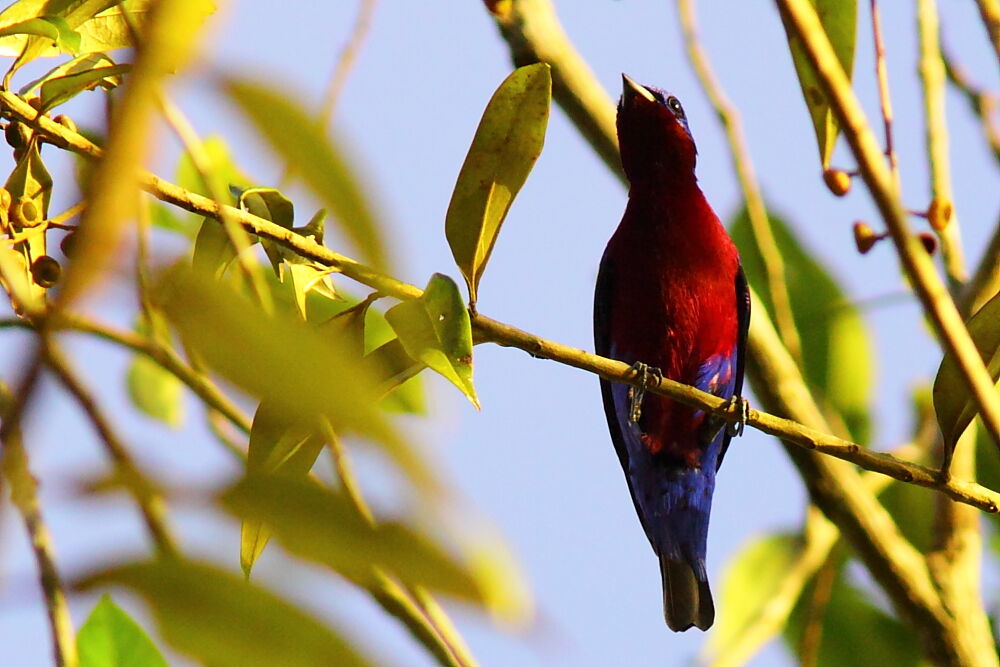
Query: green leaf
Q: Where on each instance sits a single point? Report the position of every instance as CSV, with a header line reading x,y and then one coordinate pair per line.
x,y
953,402
317,159
213,251
752,578
276,447
61,89
839,19
836,346
508,141
220,166
110,638
854,631
912,507
321,525
155,391
435,330
218,619
77,65
279,359
54,28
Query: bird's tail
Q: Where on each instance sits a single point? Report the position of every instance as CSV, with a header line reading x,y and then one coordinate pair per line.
x,y
687,600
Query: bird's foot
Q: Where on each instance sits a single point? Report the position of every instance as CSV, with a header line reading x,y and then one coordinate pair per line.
x,y
736,428
645,374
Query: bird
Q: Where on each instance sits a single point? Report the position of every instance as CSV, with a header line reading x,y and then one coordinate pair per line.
x,y
671,301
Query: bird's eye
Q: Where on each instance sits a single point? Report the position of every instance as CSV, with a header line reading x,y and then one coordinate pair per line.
x,y
674,105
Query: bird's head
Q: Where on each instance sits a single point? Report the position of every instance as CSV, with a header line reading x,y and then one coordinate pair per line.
x,y
653,133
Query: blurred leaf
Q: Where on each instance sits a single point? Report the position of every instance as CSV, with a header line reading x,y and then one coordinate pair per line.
x,y
753,576
323,526
953,402
320,161
283,361
836,346
213,251
154,390
912,507
113,192
276,447
435,329
54,28
855,632
839,19
61,89
165,217
220,166
218,619
508,141
101,24
76,65
110,638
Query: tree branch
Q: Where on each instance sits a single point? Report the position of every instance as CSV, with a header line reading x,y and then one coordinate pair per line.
x,y
954,337
774,264
150,502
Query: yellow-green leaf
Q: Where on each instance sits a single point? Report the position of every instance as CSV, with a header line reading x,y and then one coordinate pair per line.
x,y
277,446
508,141
282,360
60,89
54,28
315,157
953,402
321,525
154,390
218,619
836,346
752,578
435,330
110,638
839,19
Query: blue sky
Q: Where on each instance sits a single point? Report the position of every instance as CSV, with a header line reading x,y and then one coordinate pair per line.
x,y
537,460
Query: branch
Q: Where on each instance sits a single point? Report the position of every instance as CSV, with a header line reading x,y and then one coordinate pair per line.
x,y
919,269
150,502
533,33
346,59
774,265
983,104
24,494
990,11
202,387
932,75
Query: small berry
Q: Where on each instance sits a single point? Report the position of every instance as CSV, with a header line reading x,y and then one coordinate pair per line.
x,y
939,213
838,181
45,271
68,244
929,242
864,237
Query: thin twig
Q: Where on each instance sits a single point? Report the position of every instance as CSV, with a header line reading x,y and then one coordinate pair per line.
x,y
346,59
24,494
933,78
919,269
989,10
774,265
204,388
202,164
488,330
432,627
982,103
885,100
985,281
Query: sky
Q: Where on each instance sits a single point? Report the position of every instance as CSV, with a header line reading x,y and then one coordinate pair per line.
x,y
536,462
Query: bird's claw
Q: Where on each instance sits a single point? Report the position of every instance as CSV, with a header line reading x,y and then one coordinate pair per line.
x,y
736,428
644,373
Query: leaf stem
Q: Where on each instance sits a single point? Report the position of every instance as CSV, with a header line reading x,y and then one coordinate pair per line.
x,y
982,103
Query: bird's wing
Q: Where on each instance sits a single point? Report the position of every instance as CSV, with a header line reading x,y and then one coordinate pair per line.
x,y
742,327
602,344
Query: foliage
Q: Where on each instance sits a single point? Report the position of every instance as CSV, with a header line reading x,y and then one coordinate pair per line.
x,y
327,364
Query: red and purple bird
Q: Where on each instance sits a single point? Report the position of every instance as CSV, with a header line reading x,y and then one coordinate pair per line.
x,y
671,300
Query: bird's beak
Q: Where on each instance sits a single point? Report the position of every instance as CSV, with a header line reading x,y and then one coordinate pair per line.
x,y
630,89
